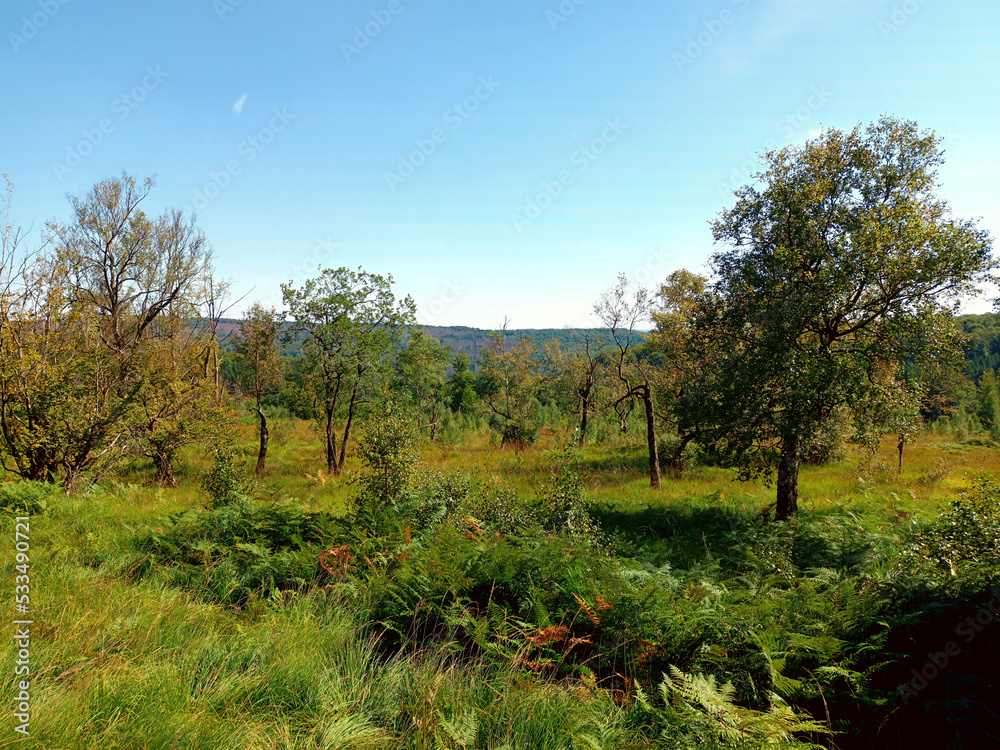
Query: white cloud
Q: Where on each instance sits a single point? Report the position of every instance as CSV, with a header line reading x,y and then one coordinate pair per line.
x,y
238,104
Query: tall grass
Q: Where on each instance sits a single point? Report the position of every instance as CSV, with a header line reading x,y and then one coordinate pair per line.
x,y
123,659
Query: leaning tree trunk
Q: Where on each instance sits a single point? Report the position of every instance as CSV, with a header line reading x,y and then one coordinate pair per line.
x,y
654,459
331,444
788,478
262,453
347,430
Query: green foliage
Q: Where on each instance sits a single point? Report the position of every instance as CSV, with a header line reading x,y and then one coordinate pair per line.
x,y
966,535
462,397
698,708
516,434
677,456
508,383
225,482
351,320
796,322
239,552
27,498
388,449
563,505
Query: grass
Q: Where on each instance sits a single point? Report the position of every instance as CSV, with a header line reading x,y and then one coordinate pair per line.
x,y
122,659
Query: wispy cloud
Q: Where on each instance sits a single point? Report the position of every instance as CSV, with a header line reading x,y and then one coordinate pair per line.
x,y
770,29
238,104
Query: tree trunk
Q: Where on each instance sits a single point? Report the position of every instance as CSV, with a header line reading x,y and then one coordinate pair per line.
x,y
164,463
654,459
788,478
899,446
218,376
434,420
262,453
584,409
331,444
347,430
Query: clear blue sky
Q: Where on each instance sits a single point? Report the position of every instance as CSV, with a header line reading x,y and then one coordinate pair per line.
x,y
417,137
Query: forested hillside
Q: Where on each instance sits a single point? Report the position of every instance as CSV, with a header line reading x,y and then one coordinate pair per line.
x,y
460,339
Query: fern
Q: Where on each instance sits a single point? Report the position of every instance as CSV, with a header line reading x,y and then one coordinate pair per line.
x,y
462,730
701,700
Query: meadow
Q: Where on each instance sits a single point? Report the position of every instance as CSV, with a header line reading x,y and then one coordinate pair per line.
x,y
546,598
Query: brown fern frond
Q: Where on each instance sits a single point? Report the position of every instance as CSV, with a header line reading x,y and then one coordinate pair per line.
x,y
603,604
319,479
337,561
587,610
551,634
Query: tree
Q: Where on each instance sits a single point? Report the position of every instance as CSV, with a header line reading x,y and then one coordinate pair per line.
x,y
462,398
621,310
579,377
510,383
420,368
124,265
260,365
84,354
352,323
680,355
177,404
843,264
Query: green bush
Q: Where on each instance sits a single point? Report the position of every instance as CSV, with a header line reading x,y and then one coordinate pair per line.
x,y
226,482
966,535
676,457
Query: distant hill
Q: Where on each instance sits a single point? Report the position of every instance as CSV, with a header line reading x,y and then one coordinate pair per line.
x,y
469,341
982,352
462,339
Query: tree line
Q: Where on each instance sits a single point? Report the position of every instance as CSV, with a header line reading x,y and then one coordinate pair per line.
x,y
829,313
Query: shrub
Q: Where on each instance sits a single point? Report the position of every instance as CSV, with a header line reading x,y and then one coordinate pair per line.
x,y
239,550
676,457
519,435
967,534
388,449
563,506
227,480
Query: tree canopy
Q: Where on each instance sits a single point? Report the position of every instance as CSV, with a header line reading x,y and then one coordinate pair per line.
x,y
842,263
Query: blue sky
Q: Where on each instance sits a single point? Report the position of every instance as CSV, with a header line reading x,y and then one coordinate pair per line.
x,y
498,159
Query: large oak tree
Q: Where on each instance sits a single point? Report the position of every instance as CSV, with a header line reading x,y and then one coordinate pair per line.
x,y
843,263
